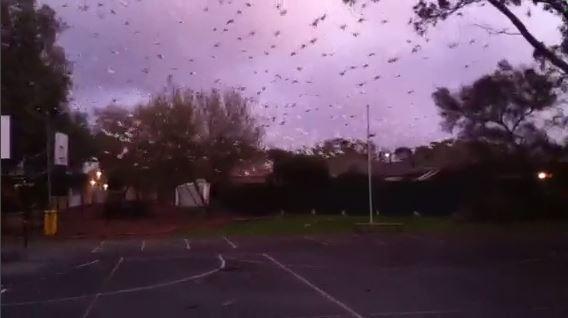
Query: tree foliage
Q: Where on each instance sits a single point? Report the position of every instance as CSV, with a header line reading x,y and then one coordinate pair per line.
x,y
430,12
340,147
180,135
36,81
499,108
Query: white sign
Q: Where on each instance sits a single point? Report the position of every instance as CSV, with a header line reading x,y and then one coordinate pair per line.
x,y
60,149
5,137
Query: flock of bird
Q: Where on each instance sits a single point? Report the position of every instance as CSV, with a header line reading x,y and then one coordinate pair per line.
x,y
225,36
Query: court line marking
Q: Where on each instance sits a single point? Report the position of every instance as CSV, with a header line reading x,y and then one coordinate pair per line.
x,y
105,281
98,248
127,290
311,239
412,313
91,305
187,246
233,245
87,264
142,245
314,287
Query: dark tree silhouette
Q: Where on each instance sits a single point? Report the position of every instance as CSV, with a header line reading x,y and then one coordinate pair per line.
x,y
499,108
35,84
430,12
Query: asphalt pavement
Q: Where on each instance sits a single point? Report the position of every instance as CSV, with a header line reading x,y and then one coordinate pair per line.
x,y
350,275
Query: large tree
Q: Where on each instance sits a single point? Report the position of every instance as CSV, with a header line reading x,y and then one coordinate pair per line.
x,y
500,108
178,136
36,81
430,12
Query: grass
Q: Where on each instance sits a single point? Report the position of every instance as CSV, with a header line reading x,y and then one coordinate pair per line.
x,y
334,224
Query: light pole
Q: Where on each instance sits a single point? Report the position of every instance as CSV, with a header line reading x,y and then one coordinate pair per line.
x,y
48,157
369,170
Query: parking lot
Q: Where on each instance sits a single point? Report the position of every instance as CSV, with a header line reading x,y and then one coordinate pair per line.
x,y
350,275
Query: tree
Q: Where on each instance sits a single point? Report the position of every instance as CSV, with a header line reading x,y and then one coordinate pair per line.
x,y
339,147
403,153
430,12
36,82
499,108
180,135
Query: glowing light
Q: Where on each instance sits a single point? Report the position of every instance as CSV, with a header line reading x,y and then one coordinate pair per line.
x,y
92,182
99,174
105,186
542,175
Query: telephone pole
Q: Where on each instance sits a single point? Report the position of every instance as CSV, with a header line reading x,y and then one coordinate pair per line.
x,y
369,168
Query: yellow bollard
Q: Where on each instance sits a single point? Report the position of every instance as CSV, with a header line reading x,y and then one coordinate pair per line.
x,y
50,222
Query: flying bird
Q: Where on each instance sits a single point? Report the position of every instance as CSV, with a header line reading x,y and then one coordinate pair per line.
x,y
315,23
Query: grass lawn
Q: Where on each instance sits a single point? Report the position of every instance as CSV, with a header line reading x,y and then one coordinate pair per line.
x,y
334,224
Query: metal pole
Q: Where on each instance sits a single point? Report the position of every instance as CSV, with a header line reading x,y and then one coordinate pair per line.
x,y
369,170
48,155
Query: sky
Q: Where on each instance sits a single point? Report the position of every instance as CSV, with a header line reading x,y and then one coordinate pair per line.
x,y
310,82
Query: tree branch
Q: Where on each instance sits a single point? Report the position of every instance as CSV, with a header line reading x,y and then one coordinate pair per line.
x,y
492,31
536,44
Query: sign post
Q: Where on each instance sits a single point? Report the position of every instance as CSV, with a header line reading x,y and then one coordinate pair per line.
x,y
6,145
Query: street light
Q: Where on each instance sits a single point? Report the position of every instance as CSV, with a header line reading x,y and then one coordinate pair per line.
x,y
105,186
541,175
92,182
99,174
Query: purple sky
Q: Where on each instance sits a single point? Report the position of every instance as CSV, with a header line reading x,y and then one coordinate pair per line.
x,y
110,51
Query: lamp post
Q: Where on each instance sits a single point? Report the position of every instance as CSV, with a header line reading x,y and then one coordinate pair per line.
x,y
369,170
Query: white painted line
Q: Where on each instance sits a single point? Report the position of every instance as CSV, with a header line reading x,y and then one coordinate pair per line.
x,y
233,245
324,243
143,245
414,313
314,287
109,276
124,291
187,246
87,264
98,248
114,269
170,283
91,305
